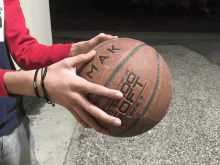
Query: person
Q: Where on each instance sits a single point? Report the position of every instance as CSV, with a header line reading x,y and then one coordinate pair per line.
x,y
61,84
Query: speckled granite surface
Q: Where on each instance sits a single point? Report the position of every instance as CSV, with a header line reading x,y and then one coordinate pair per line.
x,y
188,134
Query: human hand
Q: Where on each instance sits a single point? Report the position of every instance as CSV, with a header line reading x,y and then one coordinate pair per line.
x,y
66,88
86,46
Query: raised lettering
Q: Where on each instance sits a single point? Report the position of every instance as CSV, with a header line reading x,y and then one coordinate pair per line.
x,y
120,116
113,48
123,108
130,95
112,103
102,58
124,92
134,77
136,82
88,73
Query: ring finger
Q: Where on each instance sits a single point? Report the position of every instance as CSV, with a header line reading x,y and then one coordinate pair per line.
x,y
89,120
79,119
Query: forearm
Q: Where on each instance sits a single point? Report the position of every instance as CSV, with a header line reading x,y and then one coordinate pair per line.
x,y
22,83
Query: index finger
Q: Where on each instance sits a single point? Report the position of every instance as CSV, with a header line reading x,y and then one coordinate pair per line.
x,y
101,90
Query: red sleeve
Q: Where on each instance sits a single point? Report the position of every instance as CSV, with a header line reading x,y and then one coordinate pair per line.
x,y
3,92
25,50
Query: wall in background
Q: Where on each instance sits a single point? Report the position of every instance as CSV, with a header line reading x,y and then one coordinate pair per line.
x,y
37,17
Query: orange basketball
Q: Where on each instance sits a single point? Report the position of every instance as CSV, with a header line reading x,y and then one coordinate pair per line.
x,y
141,74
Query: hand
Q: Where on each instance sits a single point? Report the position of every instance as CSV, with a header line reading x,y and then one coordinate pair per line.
x,y
86,46
64,87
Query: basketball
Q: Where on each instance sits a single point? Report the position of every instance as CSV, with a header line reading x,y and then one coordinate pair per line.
x,y
141,74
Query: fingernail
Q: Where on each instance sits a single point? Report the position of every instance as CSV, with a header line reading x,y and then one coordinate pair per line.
x,y
117,122
93,51
119,94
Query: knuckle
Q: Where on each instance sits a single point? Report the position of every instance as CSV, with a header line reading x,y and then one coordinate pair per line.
x,y
98,88
82,86
66,61
101,34
82,57
94,88
73,100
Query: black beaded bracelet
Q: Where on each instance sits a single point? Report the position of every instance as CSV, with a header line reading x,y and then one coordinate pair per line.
x,y
35,83
42,84
43,87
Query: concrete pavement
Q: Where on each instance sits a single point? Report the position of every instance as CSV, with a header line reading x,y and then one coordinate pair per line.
x,y
188,134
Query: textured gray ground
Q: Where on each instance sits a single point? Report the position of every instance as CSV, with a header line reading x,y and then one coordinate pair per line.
x,y
188,134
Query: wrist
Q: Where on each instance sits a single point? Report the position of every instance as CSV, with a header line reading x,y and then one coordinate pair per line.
x,y
38,83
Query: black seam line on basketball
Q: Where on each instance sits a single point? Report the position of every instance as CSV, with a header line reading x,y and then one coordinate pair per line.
x,y
118,67
107,43
149,103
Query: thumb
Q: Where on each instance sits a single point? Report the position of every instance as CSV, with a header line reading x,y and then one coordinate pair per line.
x,y
83,58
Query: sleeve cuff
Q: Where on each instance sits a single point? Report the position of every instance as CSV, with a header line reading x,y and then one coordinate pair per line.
x,y
3,91
61,52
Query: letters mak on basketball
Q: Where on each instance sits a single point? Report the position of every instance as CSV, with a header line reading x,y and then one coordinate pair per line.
x,y
127,84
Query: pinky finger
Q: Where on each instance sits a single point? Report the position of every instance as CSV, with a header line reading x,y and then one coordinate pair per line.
x,y
79,119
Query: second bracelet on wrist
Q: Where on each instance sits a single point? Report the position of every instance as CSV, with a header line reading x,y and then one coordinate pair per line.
x,y
42,85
